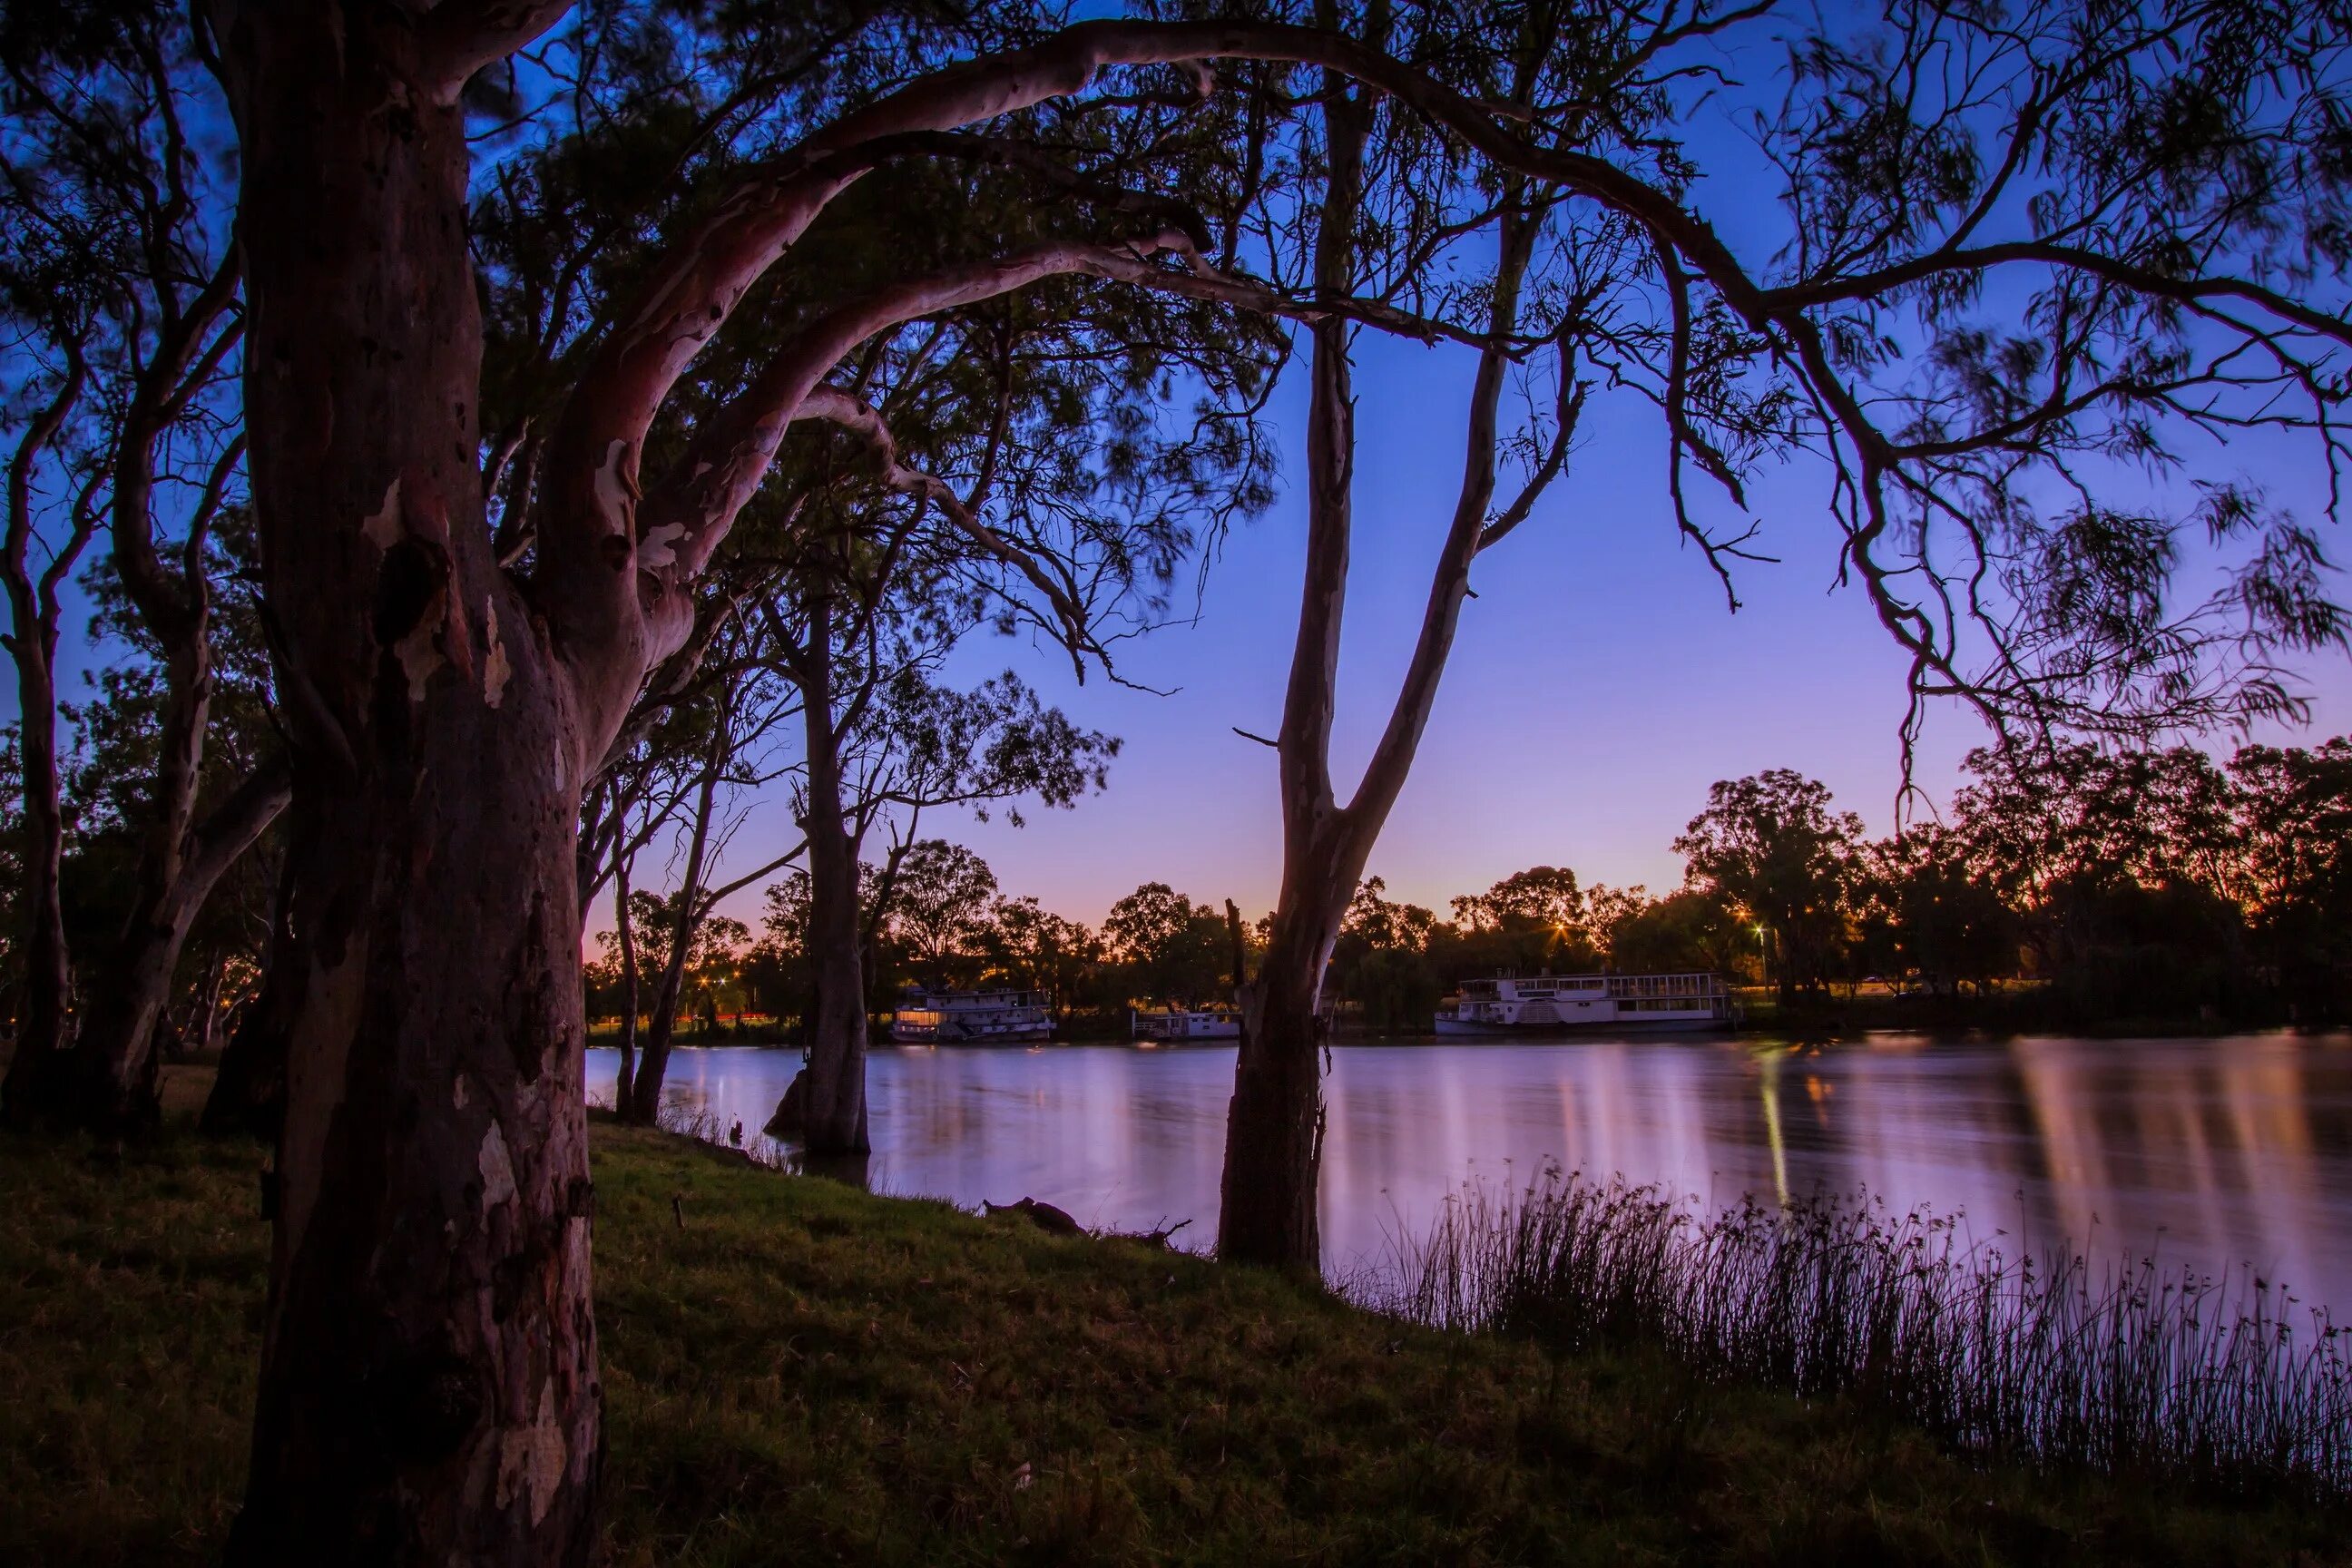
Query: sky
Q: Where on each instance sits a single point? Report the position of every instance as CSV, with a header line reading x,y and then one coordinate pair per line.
x,y
1598,686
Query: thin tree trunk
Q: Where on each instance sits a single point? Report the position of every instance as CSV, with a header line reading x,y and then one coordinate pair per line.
x,y
208,1023
626,929
1275,1130
428,1390
1273,1145
32,1087
835,1122
180,860
117,1048
645,1093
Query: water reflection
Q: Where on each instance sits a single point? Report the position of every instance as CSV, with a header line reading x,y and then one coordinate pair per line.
x,y
2218,1152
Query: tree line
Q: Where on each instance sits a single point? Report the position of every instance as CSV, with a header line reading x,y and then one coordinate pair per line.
x,y
591,420
2148,885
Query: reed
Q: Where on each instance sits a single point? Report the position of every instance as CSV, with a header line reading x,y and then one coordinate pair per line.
x,y
2223,1382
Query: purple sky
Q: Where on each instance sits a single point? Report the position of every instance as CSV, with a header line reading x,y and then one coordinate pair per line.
x,y
1596,690
1598,686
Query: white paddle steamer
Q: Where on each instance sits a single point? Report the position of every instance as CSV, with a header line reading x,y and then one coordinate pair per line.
x,y
1575,1003
972,1017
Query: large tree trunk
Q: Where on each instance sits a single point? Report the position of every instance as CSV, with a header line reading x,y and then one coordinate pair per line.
x,y
836,1121
1274,1129
428,1389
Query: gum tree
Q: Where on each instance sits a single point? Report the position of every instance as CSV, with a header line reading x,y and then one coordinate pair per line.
x,y
122,290
429,1386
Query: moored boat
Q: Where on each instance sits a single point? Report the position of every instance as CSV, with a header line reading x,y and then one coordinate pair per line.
x,y
971,1017
1184,1023
1576,1004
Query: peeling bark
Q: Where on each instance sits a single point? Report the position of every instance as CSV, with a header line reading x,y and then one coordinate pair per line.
x,y
428,1390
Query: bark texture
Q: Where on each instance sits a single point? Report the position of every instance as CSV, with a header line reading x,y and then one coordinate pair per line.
x,y
428,1389
1273,1142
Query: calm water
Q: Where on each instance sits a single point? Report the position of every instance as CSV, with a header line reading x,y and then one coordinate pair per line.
x,y
2217,1153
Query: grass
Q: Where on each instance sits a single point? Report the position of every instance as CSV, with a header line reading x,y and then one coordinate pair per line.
x,y
2222,1384
802,1371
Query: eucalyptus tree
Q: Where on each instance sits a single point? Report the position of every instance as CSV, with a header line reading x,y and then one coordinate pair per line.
x,y
886,745
2111,234
940,898
122,290
1771,846
1011,464
734,732
1399,211
448,699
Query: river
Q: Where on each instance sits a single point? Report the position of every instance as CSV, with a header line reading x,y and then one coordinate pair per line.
x,y
2215,1153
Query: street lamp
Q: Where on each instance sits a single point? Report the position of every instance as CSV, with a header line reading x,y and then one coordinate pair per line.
x,y
1763,966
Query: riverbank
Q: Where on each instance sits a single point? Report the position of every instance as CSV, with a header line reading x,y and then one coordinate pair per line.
x,y
795,1369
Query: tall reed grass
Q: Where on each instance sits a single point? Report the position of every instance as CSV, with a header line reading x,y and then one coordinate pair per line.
x,y
2224,1381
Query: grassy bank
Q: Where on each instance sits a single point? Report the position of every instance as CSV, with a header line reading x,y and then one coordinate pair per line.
x,y
802,1371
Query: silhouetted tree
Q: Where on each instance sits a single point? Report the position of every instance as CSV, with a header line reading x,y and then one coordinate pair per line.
x,y
1770,847
2295,816
1922,911
940,898
1172,948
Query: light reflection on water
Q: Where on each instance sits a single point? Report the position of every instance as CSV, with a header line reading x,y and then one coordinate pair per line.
x,y
2218,1153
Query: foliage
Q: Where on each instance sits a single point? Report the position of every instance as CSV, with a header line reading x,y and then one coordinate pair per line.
x,y
1770,847
1172,948
940,899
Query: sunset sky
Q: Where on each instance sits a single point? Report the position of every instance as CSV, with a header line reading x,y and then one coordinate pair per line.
x,y
1599,684
1598,687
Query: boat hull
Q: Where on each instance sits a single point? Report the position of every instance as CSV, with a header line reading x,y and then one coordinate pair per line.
x,y
960,1035
1453,1028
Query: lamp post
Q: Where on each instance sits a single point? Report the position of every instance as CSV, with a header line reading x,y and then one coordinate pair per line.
x,y
1763,964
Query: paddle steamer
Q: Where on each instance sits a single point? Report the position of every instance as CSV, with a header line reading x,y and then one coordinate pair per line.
x,y
1574,1003
971,1017
1184,1023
